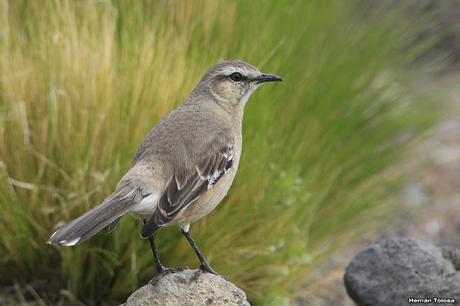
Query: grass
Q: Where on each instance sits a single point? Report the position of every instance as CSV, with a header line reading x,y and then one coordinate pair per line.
x,y
82,82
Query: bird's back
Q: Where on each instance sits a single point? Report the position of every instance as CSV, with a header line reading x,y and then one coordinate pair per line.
x,y
186,134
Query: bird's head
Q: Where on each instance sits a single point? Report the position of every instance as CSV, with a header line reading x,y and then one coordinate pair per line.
x,y
232,82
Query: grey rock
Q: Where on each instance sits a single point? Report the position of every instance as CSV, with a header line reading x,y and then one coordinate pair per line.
x,y
453,255
389,272
188,287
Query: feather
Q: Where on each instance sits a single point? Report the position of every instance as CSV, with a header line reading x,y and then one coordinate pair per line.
x,y
101,216
181,193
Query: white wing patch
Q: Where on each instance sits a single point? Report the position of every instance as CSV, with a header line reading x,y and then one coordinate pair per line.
x,y
214,178
217,175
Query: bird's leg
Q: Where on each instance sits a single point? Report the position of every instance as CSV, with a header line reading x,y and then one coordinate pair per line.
x,y
204,265
161,270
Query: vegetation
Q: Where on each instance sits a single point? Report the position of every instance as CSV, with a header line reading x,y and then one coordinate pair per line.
x,y
82,83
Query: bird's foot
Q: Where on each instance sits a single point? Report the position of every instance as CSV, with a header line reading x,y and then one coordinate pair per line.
x,y
205,268
162,271
180,269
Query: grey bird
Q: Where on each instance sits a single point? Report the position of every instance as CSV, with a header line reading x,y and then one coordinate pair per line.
x,y
185,166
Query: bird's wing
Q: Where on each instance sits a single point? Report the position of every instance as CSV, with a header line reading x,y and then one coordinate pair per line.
x,y
187,185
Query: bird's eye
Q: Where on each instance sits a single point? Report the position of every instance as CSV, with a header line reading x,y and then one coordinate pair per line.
x,y
236,77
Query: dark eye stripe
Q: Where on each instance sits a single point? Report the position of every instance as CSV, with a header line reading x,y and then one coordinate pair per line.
x,y
237,77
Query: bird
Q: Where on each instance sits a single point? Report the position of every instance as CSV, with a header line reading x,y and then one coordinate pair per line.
x,y
185,165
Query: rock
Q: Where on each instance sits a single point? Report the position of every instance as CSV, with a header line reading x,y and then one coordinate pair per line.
x,y
188,287
393,270
452,255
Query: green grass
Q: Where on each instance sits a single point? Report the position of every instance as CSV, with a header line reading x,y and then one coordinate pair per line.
x,y
82,82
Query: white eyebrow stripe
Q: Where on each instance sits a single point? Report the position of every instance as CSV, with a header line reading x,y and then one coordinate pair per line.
x,y
230,70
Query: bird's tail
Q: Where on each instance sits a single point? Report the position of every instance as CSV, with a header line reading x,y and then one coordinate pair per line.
x,y
93,221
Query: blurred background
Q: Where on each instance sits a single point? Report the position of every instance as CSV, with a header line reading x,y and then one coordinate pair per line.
x,y
361,139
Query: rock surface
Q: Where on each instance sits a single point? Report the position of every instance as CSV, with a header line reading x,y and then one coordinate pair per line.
x,y
188,287
392,270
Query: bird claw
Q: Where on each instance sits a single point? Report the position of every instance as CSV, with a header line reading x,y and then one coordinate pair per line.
x,y
180,269
164,271
196,275
205,268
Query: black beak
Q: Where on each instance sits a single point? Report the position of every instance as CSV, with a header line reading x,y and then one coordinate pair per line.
x,y
263,78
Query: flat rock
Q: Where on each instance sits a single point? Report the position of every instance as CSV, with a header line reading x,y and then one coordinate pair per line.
x,y
391,271
188,287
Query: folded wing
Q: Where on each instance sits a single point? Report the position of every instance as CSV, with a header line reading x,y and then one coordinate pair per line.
x,y
187,185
